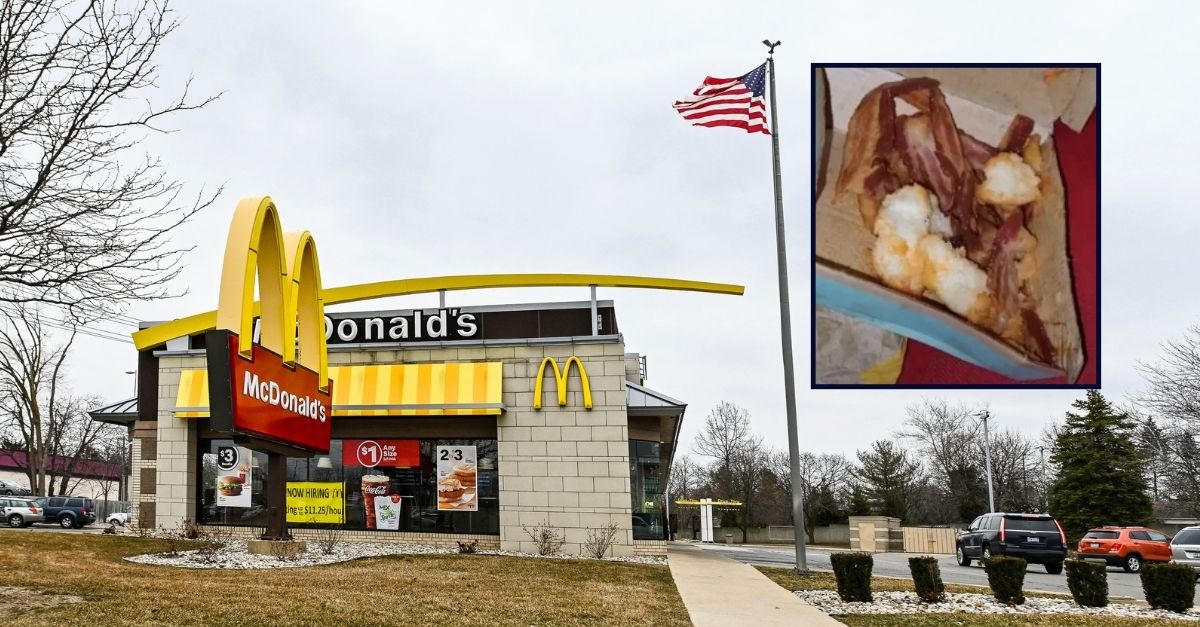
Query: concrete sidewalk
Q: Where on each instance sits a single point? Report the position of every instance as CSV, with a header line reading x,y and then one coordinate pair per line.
x,y
719,591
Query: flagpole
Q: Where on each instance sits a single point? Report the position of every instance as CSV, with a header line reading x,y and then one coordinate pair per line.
x,y
785,329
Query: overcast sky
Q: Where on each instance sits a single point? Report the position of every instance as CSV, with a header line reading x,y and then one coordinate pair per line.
x,y
416,140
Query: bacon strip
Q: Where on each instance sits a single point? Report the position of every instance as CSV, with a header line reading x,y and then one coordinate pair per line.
x,y
1015,135
1003,280
1034,327
868,141
976,151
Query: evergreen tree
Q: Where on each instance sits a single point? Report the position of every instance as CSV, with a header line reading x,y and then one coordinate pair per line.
x,y
1101,473
889,476
858,504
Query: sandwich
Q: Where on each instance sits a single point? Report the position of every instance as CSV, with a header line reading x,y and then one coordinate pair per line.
x,y
230,485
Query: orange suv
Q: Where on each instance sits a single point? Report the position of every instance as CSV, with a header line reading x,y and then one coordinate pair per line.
x,y
1127,547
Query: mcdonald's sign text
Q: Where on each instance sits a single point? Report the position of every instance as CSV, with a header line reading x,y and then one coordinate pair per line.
x,y
261,397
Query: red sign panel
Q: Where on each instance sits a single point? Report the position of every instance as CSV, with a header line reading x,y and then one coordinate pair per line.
x,y
390,453
261,398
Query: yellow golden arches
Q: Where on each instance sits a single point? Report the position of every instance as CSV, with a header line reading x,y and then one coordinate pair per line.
x,y
254,246
304,286
560,379
289,288
198,323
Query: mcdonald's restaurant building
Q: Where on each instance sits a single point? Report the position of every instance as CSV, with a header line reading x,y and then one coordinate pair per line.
x,y
448,424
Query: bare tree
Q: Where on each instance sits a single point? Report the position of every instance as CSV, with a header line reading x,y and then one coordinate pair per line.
x,y
826,480
84,223
30,374
685,478
740,460
951,441
1174,382
726,429
75,439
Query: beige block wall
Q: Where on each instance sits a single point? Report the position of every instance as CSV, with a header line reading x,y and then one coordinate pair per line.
x,y
567,466
177,441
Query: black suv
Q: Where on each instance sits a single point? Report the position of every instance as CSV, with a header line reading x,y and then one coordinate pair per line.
x,y
69,511
1036,537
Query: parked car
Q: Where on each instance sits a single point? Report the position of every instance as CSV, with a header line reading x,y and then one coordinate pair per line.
x,y
117,518
1127,547
18,512
69,511
1037,538
12,488
1185,548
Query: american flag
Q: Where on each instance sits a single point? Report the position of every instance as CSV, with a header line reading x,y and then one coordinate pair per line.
x,y
736,102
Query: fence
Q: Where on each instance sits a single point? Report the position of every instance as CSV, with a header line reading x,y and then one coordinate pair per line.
x,y
936,540
104,508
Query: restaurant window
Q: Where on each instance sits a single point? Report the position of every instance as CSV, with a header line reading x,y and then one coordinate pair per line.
x,y
645,482
341,489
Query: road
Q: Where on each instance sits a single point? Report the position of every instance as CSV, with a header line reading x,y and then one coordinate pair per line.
x,y
1120,583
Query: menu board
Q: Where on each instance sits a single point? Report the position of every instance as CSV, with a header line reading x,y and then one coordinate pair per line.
x,y
457,475
234,485
316,502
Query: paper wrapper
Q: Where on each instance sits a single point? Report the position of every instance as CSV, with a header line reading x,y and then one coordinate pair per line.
x,y
983,102
850,351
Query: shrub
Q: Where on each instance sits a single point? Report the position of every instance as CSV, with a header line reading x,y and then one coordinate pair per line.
x,y
211,542
189,530
1169,586
136,527
928,578
286,550
1088,582
1006,576
327,539
468,547
853,574
547,539
599,541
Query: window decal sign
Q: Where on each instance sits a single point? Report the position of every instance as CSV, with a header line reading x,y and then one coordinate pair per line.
x,y
457,485
234,468
381,453
316,502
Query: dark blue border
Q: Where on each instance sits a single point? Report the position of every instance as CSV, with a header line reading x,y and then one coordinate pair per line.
x,y
813,158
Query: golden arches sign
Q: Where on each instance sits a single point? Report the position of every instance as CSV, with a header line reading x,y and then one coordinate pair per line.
x,y
289,280
560,380
273,395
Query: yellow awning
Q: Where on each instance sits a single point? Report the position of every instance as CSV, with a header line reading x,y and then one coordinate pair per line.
x,y
447,389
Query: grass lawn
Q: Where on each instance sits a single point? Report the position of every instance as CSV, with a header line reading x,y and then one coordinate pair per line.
x,y
825,581
434,589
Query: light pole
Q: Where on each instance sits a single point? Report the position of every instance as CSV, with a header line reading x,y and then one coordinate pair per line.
x,y
1042,473
987,456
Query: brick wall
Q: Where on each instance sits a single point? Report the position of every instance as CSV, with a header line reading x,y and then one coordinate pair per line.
x,y
448,540
652,548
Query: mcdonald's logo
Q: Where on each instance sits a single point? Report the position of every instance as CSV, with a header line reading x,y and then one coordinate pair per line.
x,y
275,394
560,379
